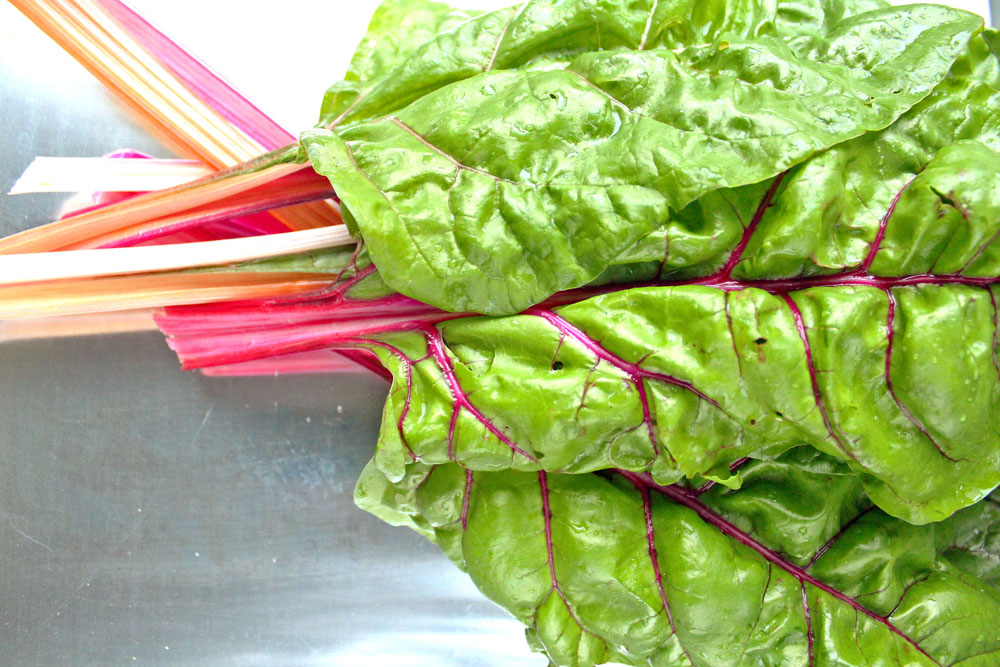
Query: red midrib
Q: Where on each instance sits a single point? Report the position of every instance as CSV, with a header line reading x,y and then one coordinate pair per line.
x,y
316,311
689,500
748,232
647,508
800,328
635,372
543,485
460,398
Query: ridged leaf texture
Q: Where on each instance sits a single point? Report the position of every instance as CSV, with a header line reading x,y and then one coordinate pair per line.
x,y
848,304
795,568
523,151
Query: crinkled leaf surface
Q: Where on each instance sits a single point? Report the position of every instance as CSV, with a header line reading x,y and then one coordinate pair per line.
x,y
809,19
397,29
889,364
535,33
795,568
826,213
982,61
831,209
901,382
497,190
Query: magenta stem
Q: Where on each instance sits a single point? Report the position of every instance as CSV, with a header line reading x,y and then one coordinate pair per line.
x,y
203,82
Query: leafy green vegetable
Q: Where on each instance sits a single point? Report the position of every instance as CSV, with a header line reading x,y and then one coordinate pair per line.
x,y
900,382
536,34
730,447
982,61
810,19
397,28
839,305
791,331
491,190
795,568
842,305
826,213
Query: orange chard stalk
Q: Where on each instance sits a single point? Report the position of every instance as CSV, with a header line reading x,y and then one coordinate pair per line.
x,y
200,115
179,98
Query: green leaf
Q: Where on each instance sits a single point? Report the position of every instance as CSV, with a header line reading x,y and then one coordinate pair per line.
x,y
826,213
920,197
975,543
794,568
536,34
982,61
812,18
946,221
396,30
478,196
898,380
829,213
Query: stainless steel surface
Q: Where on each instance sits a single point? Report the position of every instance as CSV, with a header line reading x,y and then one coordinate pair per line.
x,y
151,516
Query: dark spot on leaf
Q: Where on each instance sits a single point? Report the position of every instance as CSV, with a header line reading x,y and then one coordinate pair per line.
x,y
557,365
779,415
753,422
950,201
947,200
760,341
552,96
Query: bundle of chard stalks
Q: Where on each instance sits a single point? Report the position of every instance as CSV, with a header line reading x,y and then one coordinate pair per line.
x,y
690,309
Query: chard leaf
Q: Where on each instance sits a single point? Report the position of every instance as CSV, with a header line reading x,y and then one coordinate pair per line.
x,y
810,18
397,29
899,379
913,429
918,198
831,210
537,33
826,213
982,61
949,213
494,192
794,568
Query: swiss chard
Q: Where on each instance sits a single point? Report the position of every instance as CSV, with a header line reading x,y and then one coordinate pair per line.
x,y
494,179
794,568
826,213
397,29
721,461
846,304
900,382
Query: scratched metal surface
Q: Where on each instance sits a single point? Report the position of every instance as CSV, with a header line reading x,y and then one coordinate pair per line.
x,y
152,515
